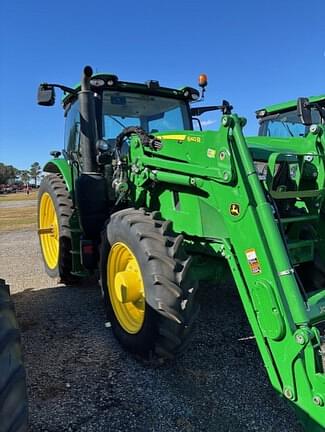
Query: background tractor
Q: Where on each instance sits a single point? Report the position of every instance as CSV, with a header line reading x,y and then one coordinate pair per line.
x,y
157,206
292,118
13,395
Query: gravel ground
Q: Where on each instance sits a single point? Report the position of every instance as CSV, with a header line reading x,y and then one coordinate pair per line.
x,y
80,379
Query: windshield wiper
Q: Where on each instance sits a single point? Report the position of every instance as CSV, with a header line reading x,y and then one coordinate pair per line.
x,y
117,121
284,124
287,127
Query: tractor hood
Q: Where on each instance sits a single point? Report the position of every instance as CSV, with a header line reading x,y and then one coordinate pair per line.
x,y
261,147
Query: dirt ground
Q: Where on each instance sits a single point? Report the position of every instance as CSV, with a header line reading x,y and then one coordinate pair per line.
x,y
17,211
80,379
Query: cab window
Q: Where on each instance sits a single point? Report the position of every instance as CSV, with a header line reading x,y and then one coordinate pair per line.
x,y
286,124
151,113
72,128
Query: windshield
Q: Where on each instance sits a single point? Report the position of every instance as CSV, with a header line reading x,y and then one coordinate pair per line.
x,y
286,124
151,113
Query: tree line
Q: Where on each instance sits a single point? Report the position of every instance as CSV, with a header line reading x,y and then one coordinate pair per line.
x,y
11,175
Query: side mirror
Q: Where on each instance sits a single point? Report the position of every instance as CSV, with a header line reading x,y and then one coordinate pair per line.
x,y
304,111
46,95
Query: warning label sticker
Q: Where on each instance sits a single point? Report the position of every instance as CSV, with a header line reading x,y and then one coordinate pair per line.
x,y
253,261
211,153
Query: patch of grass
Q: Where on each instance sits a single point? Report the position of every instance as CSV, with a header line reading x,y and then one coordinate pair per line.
x,y
19,196
12,219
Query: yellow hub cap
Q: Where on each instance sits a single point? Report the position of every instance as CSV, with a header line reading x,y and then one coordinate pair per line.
x,y
125,288
49,231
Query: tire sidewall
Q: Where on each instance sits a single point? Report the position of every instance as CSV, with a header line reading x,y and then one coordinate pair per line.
x,y
46,187
143,341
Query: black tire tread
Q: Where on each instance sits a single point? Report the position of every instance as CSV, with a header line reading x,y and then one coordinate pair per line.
x,y
63,202
13,394
176,308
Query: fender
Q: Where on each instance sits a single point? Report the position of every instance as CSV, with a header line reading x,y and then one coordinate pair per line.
x,y
62,167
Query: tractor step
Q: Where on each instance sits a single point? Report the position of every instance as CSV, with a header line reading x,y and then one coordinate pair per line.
x,y
298,219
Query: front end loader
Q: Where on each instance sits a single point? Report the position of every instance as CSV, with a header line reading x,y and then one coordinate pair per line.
x,y
156,206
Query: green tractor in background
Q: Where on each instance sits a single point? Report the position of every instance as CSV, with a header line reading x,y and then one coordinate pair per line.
x,y
157,206
293,118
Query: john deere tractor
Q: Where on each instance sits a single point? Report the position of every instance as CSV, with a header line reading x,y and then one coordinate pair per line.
x,y
293,118
156,206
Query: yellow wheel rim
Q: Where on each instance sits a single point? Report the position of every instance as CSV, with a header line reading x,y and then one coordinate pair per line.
x,y
126,288
49,231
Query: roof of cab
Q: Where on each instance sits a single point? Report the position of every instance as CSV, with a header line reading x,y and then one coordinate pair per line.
x,y
125,86
286,106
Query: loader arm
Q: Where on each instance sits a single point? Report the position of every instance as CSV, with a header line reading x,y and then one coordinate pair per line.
x,y
282,319
211,187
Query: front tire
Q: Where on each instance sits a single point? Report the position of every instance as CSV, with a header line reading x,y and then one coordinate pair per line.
x,y
54,212
148,294
13,395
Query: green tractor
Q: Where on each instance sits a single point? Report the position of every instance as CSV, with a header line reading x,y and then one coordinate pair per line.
x,y
156,206
293,118
13,394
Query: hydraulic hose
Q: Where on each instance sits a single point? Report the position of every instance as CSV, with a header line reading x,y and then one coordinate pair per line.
x,y
146,139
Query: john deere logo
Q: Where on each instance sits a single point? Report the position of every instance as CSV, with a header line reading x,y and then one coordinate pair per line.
x,y
234,209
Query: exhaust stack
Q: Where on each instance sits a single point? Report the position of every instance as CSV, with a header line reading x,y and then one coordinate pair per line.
x,y
90,186
88,131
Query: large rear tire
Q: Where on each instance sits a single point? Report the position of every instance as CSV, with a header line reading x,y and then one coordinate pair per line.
x,y
148,294
54,212
13,395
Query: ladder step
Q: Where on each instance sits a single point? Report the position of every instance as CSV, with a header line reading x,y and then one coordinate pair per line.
x,y
298,219
300,244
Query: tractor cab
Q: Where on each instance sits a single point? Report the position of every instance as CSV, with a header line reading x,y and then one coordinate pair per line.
x,y
291,119
119,105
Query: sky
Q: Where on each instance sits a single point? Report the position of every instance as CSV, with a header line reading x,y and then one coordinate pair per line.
x,y
255,53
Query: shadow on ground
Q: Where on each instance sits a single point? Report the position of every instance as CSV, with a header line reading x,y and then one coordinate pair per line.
x,y
80,379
